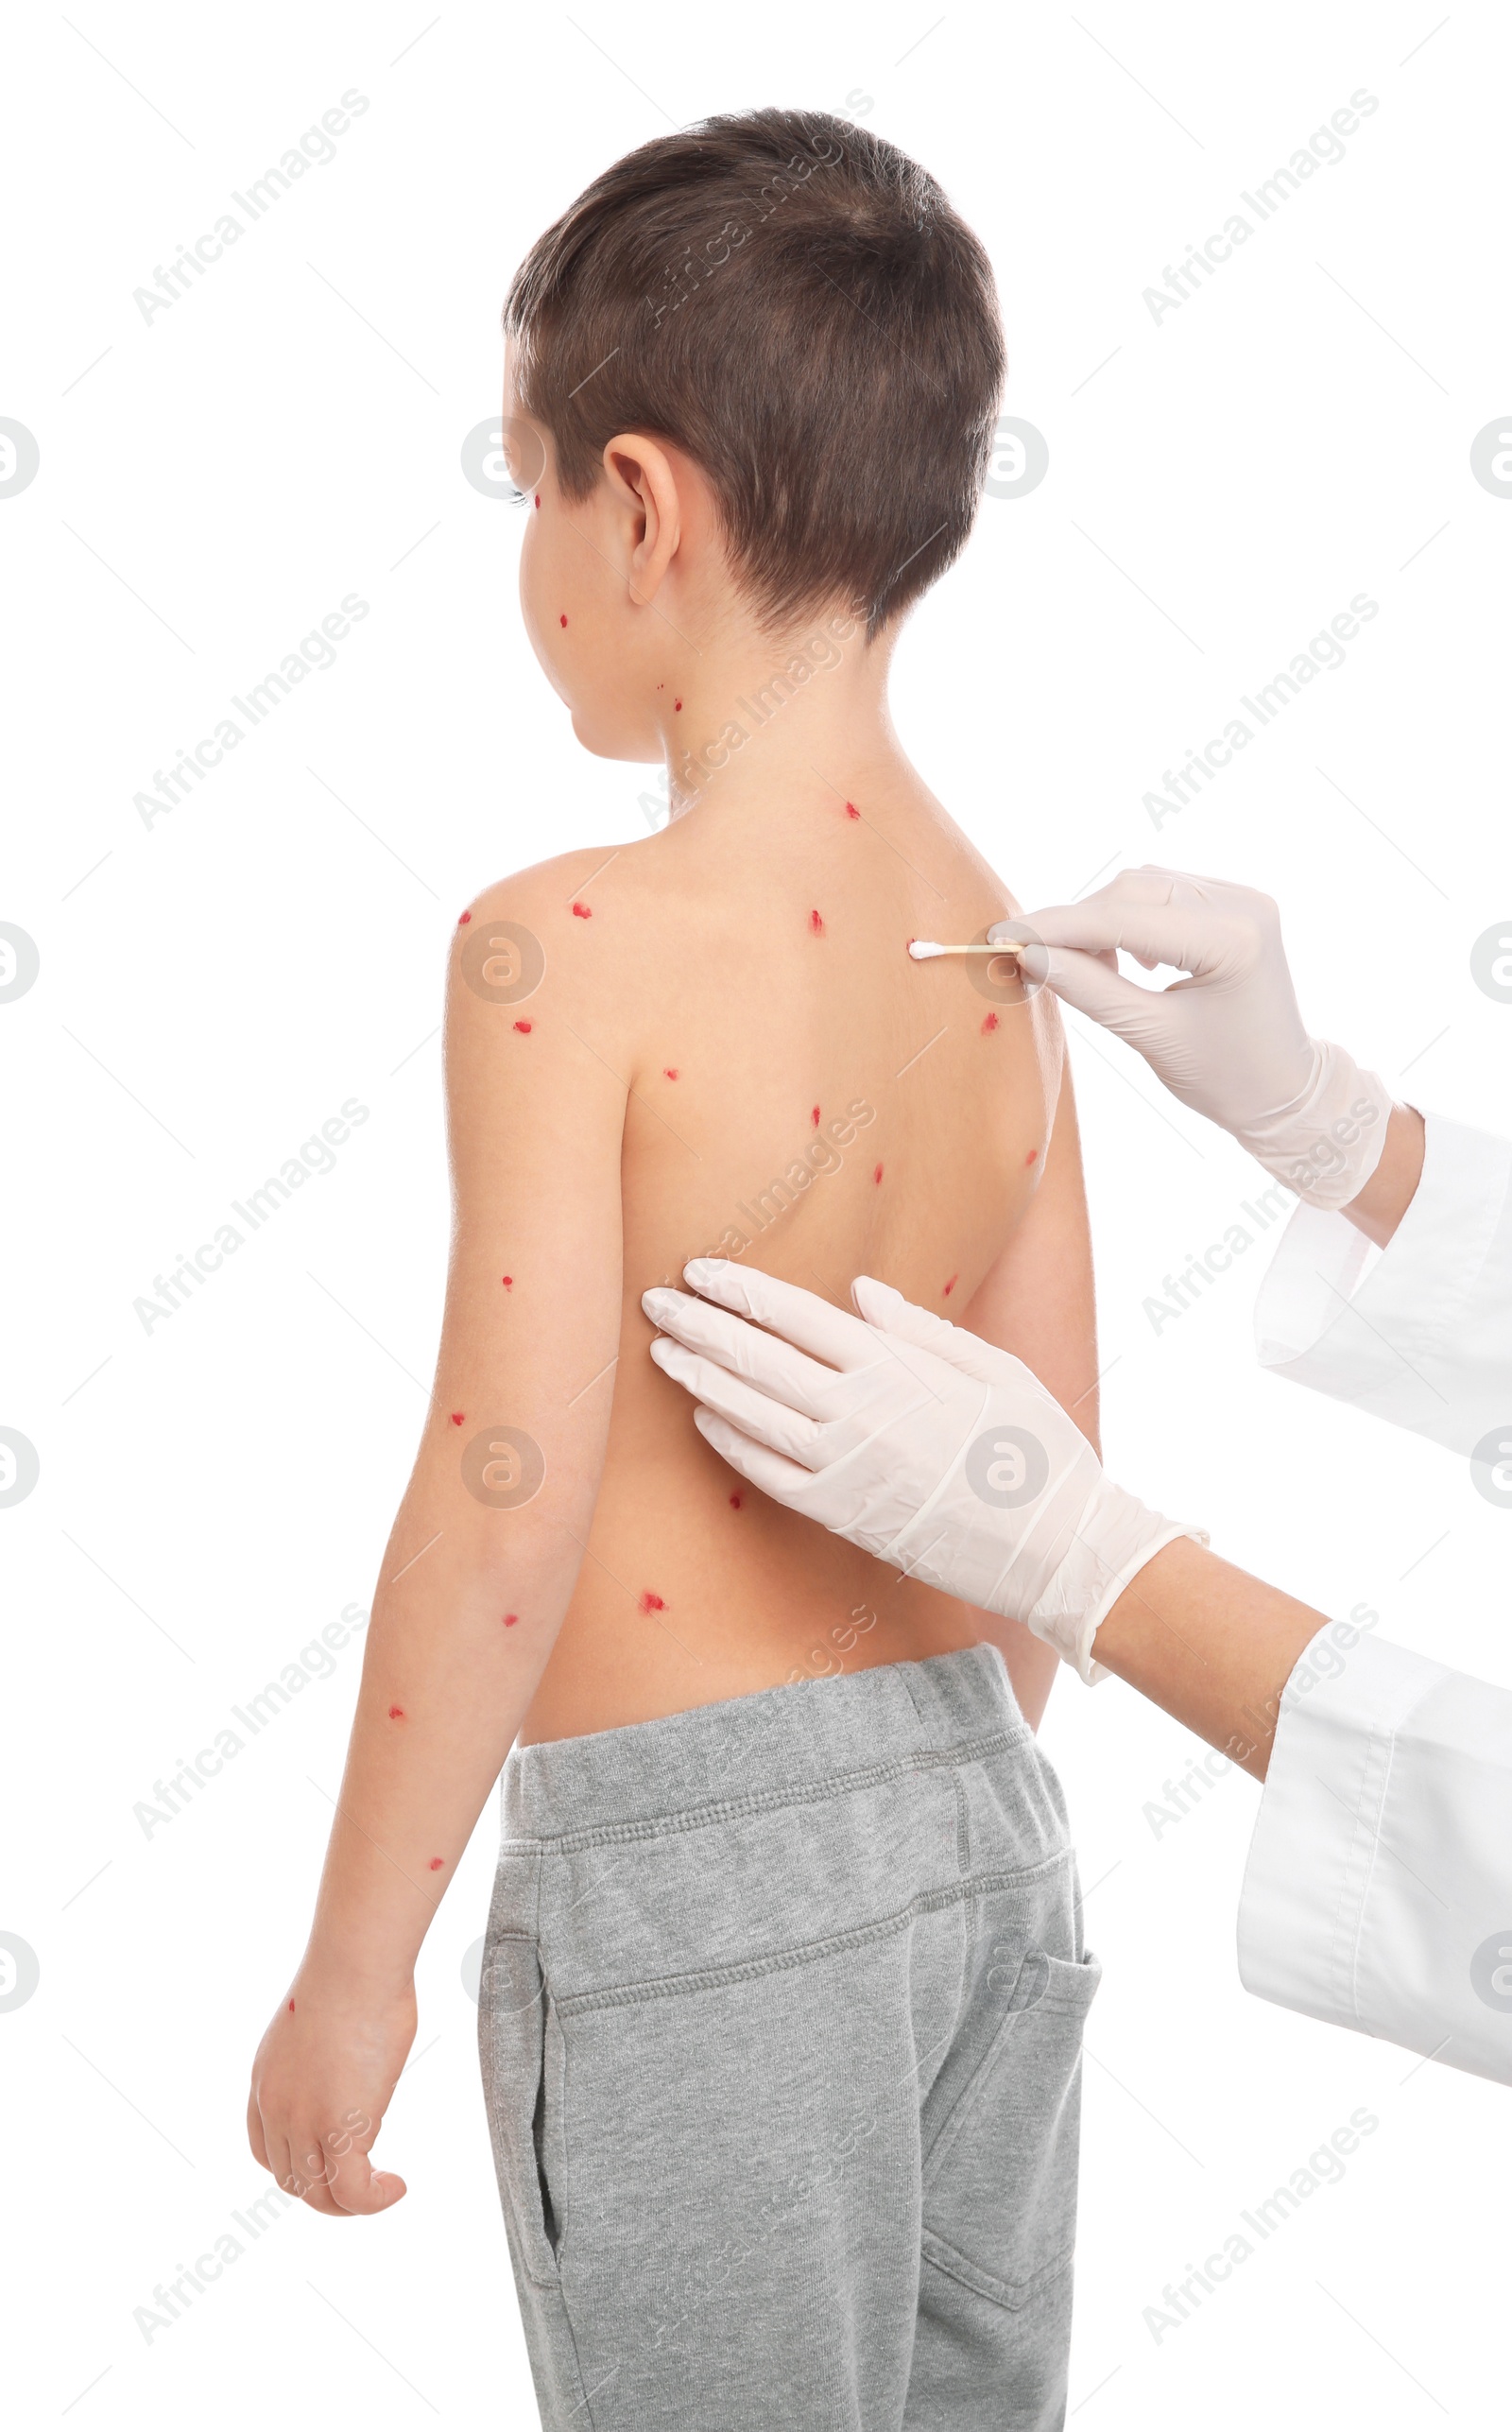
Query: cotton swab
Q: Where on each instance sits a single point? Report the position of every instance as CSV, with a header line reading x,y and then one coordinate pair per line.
x,y
923,949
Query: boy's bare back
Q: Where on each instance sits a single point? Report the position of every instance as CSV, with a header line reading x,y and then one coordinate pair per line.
x,y
800,1096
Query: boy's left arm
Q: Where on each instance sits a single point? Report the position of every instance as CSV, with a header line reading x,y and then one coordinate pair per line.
x,y
485,1551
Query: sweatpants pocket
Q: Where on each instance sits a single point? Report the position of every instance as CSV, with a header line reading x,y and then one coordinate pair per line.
x,y
999,2179
513,2015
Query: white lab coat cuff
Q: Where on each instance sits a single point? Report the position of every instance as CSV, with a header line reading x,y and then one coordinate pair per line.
x,y
1403,1339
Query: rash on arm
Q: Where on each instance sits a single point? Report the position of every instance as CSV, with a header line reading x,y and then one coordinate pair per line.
x,y
486,1547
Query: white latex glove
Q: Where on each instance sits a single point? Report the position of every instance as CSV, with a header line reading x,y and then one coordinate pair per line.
x,y
1228,1039
917,1441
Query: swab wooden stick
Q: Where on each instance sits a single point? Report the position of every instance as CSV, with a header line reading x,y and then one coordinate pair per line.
x,y
922,949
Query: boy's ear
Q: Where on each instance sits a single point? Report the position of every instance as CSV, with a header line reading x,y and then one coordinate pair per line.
x,y
644,485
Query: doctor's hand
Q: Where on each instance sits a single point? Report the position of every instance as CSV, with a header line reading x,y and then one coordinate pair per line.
x,y
916,1440
1227,1039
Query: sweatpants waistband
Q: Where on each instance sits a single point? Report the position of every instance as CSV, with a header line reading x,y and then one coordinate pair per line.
x,y
746,1749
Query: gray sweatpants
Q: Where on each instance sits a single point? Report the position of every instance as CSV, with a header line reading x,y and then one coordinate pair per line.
x,y
781,2024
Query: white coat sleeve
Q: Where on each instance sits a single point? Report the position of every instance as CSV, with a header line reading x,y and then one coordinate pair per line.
x,y
1424,1339
1378,1892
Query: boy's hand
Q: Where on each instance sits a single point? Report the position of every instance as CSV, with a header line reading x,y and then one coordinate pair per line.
x,y
323,2080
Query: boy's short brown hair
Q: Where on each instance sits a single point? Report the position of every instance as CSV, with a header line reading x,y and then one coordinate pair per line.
x,y
794,302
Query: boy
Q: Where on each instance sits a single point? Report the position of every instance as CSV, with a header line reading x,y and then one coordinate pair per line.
x,y
783,1982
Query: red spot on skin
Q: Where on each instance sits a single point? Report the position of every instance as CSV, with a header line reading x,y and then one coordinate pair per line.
x,y
650,1602
677,704
990,1023
814,1117
291,2004
564,620
877,1175
669,1072
457,1417
524,1026
582,912
538,498
464,919
507,1281
950,1285
851,812
436,1862
734,1502
1033,1154
396,1714
660,688
509,1620
816,925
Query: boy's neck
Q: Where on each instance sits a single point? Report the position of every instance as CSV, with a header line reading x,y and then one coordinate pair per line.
x,y
764,720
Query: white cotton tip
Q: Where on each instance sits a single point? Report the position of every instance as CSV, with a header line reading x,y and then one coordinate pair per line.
x,y
922,948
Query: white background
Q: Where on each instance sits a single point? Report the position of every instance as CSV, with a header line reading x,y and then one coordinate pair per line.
x,y
215,986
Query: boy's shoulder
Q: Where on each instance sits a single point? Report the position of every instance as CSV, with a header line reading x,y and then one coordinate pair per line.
x,y
614,893
592,930
543,887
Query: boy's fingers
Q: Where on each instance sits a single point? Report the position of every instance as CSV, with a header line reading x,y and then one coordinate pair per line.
x,y
254,2133
315,2198
276,2158
785,1481
801,1317
295,2179
764,1361
310,2174
771,1422
303,2168
296,2164
358,2188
